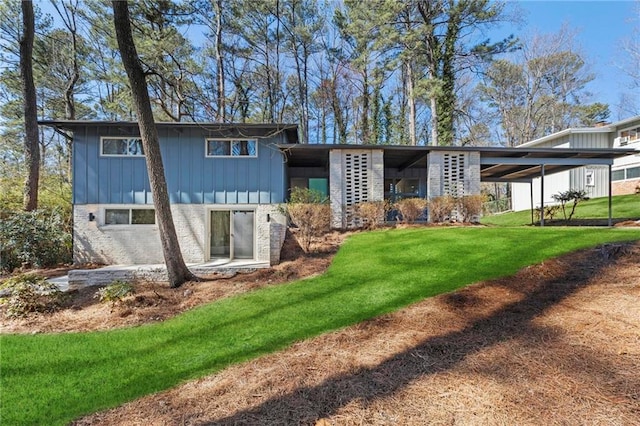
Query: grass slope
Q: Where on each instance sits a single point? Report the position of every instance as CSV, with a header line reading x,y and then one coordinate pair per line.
x,y
623,207
52,379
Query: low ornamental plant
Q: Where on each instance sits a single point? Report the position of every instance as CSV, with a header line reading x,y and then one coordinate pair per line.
x,y
372,213
440,208
115,292
470,207
411,208
27,294
574,195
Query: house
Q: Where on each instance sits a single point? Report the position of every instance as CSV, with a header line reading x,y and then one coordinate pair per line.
x,y
592,178
227,184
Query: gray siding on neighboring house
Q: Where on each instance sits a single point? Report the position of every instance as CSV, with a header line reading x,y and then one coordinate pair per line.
x,y
555,142
577,180
192,178
590,140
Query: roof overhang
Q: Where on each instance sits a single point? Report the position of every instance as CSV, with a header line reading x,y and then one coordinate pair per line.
x,y
496,164
228,130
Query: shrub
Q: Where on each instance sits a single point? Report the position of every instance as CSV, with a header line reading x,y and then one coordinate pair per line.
x,y
307,196
549,212
114,292
35,238
29,293
411,208
309,211
571,195
470,207
372,213
440,208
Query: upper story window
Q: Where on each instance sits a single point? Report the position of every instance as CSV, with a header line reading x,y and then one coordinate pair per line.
x,y
628,136
232,147
121,146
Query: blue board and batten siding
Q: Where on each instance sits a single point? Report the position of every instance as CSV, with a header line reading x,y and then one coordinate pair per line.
x,y
192,178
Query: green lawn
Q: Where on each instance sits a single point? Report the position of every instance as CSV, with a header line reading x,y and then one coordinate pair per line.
x,y
623,207
52,379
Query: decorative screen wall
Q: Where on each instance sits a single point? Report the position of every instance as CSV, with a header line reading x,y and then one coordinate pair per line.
x,y
356,183
453,175
355,176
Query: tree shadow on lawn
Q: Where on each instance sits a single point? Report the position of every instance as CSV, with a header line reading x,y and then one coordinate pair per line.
x,y
512,323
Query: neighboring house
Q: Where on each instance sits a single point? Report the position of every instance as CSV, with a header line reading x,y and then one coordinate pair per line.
x,y
227,184
594,178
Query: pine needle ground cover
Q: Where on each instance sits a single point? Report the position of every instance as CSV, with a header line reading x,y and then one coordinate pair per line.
x,y
52,379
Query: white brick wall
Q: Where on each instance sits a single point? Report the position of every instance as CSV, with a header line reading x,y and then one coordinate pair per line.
x,y
140,244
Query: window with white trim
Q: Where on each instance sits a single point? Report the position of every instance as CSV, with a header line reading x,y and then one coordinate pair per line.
x,y
121,146
231,147
129,217
626,173
589,178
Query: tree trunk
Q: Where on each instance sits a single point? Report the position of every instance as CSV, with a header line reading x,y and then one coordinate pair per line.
x,y
411,98
434,121
221,116
31,141
176,268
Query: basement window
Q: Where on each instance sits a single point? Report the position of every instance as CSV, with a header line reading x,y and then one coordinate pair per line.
x,y
129,217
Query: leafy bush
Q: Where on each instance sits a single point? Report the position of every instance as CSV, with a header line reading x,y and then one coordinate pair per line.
x,y
470,207
411,208
29,293
372,213
564,197
440,208
115,292
307,196
310,212
35,238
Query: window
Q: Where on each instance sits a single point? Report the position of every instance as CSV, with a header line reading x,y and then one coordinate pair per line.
x,y
617,175
129,217
122,146
629,135
232,148
633,172
589,178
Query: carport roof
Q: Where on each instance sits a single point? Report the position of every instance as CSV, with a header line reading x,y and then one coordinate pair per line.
x,y
496,164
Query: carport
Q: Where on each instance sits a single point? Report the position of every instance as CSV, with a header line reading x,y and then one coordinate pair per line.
x,y
497,164
523,165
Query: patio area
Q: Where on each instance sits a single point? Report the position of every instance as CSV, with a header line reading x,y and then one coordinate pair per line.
x,y
78,278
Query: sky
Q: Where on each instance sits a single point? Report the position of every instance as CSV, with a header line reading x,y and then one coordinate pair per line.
x,y
600,27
